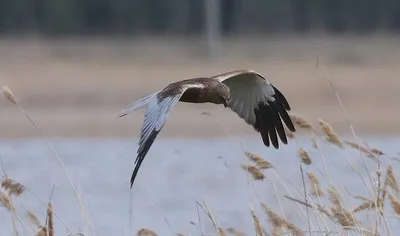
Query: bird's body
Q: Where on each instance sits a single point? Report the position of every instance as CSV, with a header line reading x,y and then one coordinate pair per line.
x,y
245,92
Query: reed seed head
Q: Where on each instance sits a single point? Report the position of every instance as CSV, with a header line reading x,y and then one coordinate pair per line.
x,y
13,187
304,156
316,189
314,142
257,224
260,162
42,231
344,217
391,180
361,148
254,171
146,232
7,93
377,151
300,122
289,133
331,136
5,200
50,224
395,203
33,218
279,222
368,205
234,232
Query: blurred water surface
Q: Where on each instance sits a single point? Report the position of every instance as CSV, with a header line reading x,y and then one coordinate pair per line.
x,y
175,174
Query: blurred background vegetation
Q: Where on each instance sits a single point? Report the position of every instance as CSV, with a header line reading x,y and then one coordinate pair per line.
x,y
187,17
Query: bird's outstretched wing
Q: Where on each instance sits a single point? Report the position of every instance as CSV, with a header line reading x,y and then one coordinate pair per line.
x,y
159,106
259,104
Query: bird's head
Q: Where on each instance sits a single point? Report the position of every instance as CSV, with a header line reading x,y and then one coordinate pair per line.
x,y
224,97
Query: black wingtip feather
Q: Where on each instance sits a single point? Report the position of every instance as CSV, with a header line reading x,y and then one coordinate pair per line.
x,y
142,151
281,99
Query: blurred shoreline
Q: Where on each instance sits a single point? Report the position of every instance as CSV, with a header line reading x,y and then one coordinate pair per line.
x,y
75,87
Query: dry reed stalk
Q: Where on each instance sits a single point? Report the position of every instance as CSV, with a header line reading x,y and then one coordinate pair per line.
x,y
146,232
50,223
331,136
259,229
9,94
362,149
304,156
234,232
11,97
300,122
278,222
13,187
260,162
316,189
254,171
391,180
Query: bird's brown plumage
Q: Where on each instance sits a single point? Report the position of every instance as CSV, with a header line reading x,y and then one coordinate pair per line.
x,y
245,92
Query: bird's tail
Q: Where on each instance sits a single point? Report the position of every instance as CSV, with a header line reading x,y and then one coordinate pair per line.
x,y
137,105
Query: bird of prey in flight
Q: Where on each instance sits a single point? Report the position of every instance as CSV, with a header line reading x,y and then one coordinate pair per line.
x,y
245,92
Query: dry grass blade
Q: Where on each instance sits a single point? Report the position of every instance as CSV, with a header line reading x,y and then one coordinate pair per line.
x,y
9,95
254,171
260,162
13,187
234,232
146,232
279,222
316,189
304,156
257,224
391,180
331,136
300,122
50,223
33,219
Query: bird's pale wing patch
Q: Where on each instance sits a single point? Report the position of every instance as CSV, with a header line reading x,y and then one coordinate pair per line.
x,y
155,117
259,104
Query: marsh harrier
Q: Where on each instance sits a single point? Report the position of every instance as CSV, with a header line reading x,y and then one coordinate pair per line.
x,y
245,92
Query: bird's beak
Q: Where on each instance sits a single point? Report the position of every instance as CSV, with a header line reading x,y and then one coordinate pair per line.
x,y
225,104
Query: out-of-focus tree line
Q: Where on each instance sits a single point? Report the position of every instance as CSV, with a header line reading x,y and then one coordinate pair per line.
x,y
188,16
